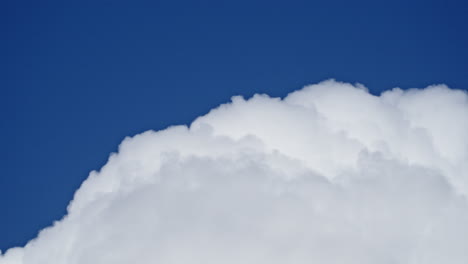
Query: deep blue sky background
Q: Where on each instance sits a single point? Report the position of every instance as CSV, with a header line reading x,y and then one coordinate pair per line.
x,y
77,77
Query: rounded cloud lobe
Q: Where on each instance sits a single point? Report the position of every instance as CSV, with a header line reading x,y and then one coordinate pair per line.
x,y
329,174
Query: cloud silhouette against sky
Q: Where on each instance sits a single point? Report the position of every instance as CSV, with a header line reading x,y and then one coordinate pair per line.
x,y
329,174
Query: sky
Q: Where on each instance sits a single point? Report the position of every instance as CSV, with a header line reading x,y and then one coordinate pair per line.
x,y
77,78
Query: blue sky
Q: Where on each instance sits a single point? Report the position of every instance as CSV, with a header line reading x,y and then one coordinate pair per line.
x,y
77,78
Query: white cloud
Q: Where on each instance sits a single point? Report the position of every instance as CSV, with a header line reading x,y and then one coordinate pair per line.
x,y
329,174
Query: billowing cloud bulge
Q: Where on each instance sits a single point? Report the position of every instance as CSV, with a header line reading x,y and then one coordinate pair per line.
x,y
329,174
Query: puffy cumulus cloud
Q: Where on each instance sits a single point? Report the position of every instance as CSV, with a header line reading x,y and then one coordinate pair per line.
x,y
329,174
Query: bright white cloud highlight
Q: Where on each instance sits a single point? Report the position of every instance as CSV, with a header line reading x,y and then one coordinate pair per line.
x,y
329,174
